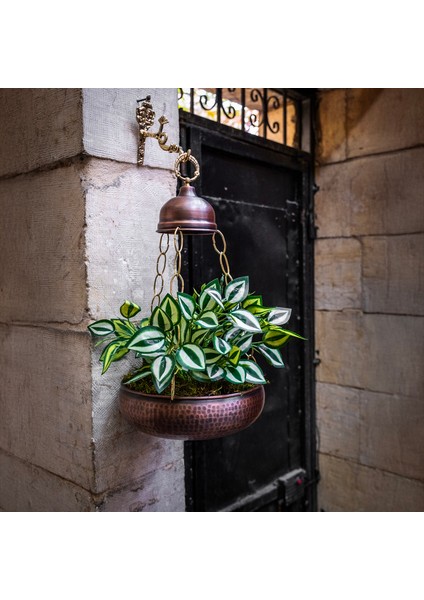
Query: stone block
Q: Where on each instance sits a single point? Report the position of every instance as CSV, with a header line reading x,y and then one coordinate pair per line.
x,y
338,274
27,488
45,408
38,127
350,487
159,491
382,431
338,420
375,352
393,274
111,128
42,270
331,135
382,120
372,196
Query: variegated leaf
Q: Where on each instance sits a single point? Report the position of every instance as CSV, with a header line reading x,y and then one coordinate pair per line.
x,y
216,295
245,320
245,342
102,327
200,376
253,371
237,290
129,309
252,301
124,329
235,375
191,357
221,345
215,372
160,319
171,308
162,371
113,351
147,340
272,355
198,336
234,355
275,337
144,372
231,334
208,320
279,316
211,356
187,305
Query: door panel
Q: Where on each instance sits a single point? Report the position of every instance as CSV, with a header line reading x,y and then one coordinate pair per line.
x,y
259,199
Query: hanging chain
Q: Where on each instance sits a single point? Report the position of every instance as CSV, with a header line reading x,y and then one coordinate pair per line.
x,y
223,260
178,245
160,270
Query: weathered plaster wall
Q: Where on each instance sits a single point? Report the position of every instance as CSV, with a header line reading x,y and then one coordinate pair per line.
x,y
369,299
77,238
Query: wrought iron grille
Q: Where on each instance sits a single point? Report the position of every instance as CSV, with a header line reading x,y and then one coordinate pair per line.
x,y
279,115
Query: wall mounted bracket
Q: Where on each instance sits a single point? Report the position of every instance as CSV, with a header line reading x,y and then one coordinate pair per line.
x,y
145,118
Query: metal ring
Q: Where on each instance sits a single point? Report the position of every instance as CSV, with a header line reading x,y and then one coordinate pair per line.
x,y
158,276
181,280
224,242
223,261
185,157
160,269
156,296
178,240
167,243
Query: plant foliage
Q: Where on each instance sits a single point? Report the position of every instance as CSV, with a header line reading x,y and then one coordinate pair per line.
x,y
209,336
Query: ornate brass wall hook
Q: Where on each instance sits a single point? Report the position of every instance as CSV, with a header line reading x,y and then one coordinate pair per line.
x,y
146,117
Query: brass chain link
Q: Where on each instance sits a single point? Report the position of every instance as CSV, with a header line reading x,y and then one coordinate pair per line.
x,y
223,260
178,245
158,282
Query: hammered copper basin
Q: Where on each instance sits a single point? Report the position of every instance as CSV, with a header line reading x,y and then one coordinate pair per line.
x,y
188,418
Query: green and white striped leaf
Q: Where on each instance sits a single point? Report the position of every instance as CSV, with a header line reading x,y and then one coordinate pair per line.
x,y
184,332
191,357
272,355
235,375
102,327
160,319
252,301
253,372
279,316
113,351
129,309
293,334
237,290
221,345
216,295
245,320
162,371
171,308
245,342
200,376
187,305
198,336
124,329
275,337
208,320
144,322
231,334
147,340
234,355
211,356
144,372
215,372
206,302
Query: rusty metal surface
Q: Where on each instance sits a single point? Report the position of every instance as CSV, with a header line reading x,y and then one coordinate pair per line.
x,y
204,418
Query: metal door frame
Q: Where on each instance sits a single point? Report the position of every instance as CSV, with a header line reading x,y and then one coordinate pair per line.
x,y
196,131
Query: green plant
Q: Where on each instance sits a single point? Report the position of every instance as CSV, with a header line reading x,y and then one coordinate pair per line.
x,y
211,335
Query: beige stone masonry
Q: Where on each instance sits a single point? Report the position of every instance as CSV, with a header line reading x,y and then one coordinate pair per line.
x,y
376,195
375,352
338,267
45,400
349,486
393,271
42,271
27,488
39,127
374,429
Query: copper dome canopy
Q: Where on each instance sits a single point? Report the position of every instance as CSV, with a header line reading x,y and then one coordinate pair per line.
x,y
189,212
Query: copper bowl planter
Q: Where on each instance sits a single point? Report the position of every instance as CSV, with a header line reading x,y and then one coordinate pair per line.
x,y
192,418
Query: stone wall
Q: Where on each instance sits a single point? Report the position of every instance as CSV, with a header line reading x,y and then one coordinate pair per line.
x,y
369,299
78,237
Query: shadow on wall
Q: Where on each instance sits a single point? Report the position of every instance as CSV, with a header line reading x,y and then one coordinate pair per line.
x,y
364,99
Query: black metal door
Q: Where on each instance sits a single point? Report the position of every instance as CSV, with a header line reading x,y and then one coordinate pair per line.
x,y
262,196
